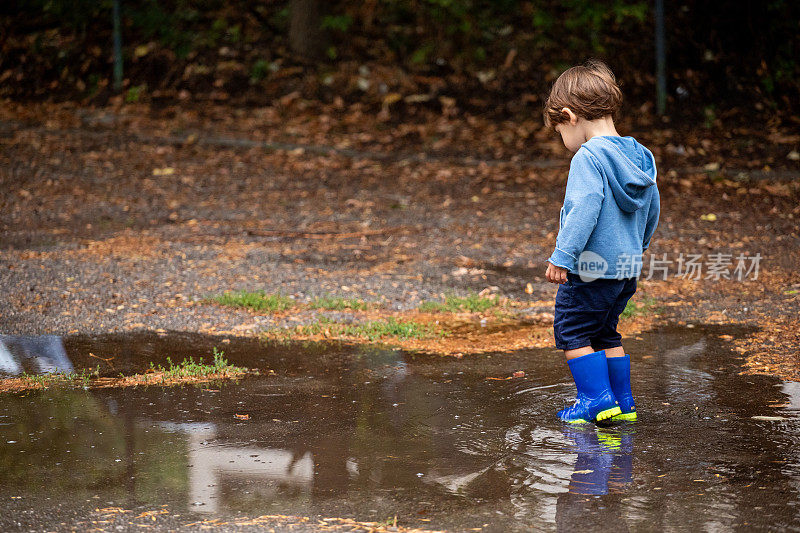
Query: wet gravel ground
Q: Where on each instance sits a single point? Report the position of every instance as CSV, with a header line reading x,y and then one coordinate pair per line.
x,y
59,294
117,260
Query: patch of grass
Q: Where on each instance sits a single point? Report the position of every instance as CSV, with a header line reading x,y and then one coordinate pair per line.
x,y
189,368
135,93
646,306
256,300
81,378
336,303
372,330
472,302
260,70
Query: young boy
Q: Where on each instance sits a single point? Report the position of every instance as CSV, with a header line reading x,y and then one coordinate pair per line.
x,y
610,211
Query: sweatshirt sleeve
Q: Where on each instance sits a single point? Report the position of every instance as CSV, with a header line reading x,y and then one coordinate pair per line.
x,y
582,203
652,220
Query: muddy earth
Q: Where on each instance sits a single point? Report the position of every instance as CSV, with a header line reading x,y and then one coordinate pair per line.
x,y
393,440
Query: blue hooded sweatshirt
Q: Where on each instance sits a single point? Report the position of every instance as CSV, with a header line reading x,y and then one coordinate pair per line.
x,y
610,210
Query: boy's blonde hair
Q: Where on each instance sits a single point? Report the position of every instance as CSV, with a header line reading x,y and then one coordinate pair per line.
x,y
589,90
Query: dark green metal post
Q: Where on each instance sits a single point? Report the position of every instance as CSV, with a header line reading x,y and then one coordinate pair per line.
x,y
117,47
661,60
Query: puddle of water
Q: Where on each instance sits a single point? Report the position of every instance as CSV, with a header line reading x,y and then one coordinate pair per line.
x,y
130,353
370,433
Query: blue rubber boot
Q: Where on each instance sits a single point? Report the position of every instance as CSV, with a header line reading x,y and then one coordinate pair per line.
x,y
595,400
619,375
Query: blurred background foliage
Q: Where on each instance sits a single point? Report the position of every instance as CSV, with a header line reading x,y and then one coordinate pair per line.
x,y
496,56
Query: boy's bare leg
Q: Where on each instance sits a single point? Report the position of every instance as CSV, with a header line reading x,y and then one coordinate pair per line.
x,y
619,351
578,352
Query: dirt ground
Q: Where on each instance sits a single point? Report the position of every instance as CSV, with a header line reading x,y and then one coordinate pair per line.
x,y
127,217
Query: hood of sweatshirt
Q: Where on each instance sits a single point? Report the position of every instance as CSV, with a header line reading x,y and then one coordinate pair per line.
x,y
629,166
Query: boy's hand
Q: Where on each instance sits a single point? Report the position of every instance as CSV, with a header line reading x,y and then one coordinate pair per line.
x,y
555,274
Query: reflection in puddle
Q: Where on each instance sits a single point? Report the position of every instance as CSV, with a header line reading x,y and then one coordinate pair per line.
x,y
604,460
213,467
369,433
42,354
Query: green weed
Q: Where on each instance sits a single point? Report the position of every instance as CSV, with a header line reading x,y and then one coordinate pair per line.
x,y
257,300
189,368
260,70
135,93
336,303
81,377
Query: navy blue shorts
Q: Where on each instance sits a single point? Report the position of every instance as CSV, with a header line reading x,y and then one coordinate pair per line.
x,y
587,312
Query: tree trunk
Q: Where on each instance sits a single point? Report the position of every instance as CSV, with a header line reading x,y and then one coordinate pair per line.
x,y
306,37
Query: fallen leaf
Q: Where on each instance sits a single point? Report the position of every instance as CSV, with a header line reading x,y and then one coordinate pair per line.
x,y
141,51
391,98
417,98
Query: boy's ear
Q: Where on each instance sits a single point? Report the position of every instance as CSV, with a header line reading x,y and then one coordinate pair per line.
x,y
572,117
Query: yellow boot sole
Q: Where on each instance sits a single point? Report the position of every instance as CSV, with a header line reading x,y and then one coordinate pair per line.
x,y
608,413
630,417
